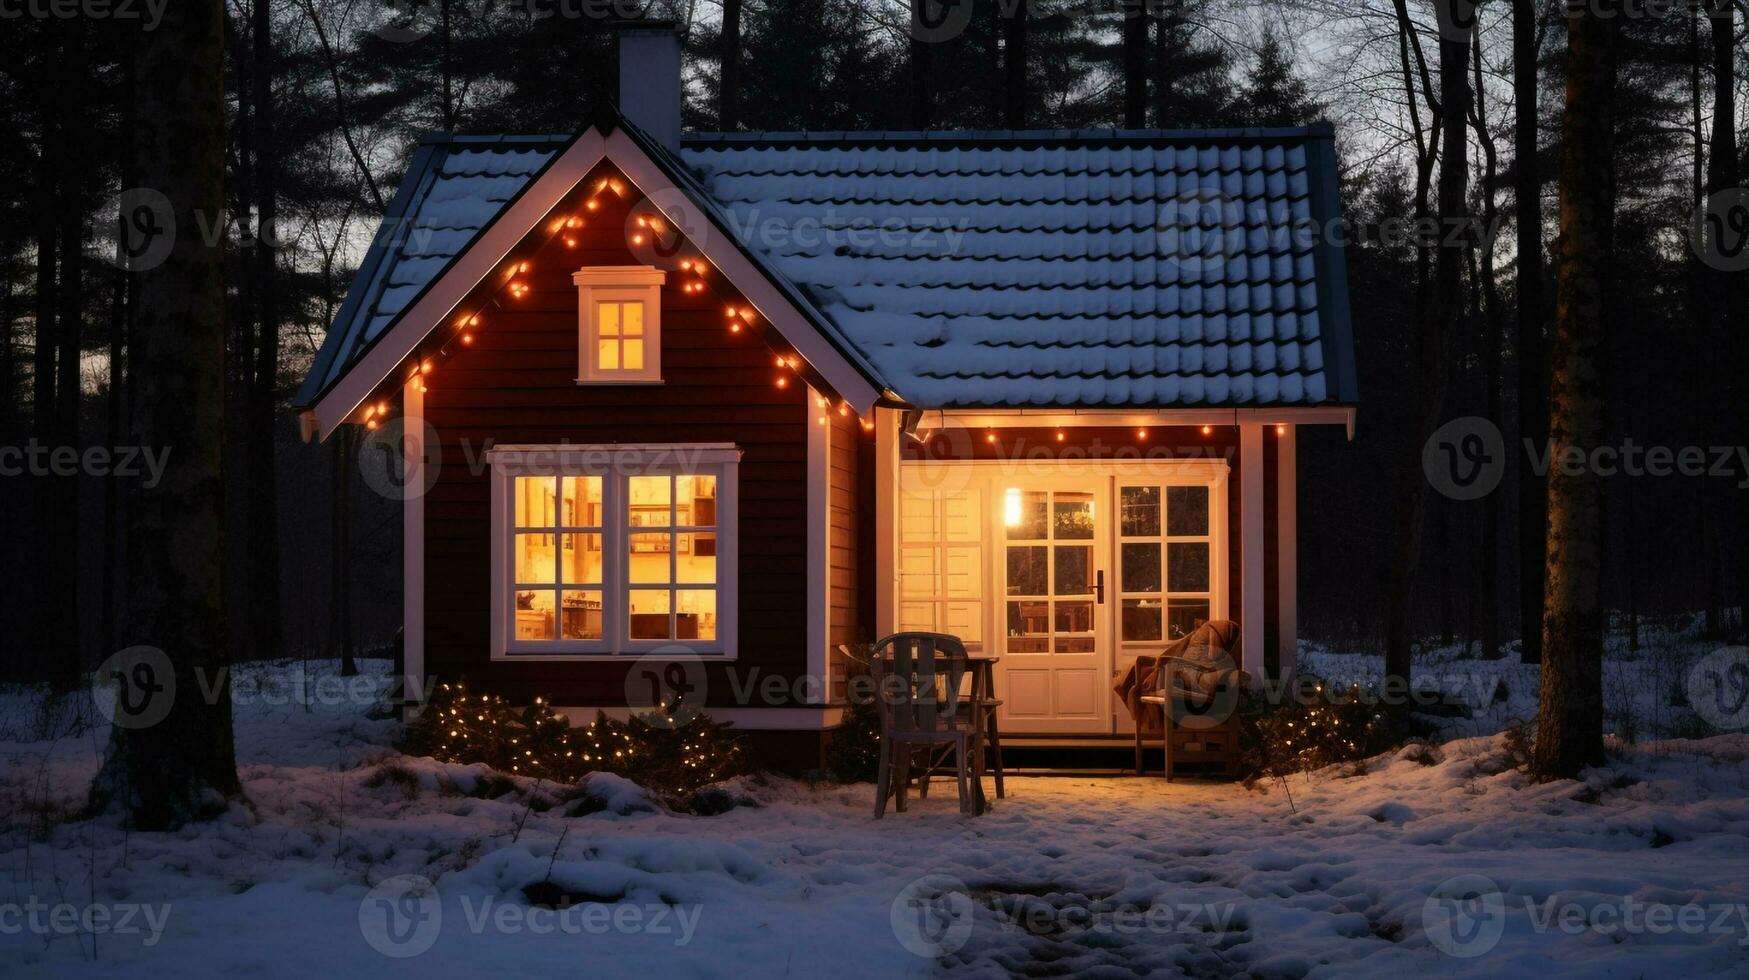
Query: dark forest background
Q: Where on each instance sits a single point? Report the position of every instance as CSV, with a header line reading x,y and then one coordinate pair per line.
x,y
326,98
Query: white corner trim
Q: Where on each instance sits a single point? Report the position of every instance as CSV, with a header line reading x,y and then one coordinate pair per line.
x,y
1288,548
743,274
819,538
1251,552
446,293
415,451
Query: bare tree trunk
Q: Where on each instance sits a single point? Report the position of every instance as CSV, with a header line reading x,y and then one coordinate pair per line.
x,y
182,767
43,417
1135,63
1707,376
61,565
922,93
1728,286
1493,338
1432,366
729,91
1533,392
263,395
1015,100
446,65
1570,716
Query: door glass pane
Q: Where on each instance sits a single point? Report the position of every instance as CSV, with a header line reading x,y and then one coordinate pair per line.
x,y
580,616
697,560
1027,570
581,561
650,499
1141,512
534,614
1028,626
1187,510
1189,566
1141,619
582,501
695,614
535,559
1074,617
1024,512
1141,567
1184,615
1072,516
649,614
1074,569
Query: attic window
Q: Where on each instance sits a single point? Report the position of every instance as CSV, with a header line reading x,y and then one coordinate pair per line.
x,y
619,324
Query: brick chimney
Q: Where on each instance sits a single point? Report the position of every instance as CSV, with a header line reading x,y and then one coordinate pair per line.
x,y
649,79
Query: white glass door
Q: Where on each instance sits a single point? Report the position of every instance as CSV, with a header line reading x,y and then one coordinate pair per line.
x,y
1055,649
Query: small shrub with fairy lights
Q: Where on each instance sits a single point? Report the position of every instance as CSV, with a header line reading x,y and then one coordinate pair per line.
x,y
1320,726
670,752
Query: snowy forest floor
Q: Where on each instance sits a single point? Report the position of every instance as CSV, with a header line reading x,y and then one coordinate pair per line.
x,y
349,859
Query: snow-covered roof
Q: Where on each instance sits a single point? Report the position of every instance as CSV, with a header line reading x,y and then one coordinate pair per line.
x,y
1060,268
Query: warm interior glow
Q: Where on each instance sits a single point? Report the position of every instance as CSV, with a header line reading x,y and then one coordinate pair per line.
x,y
1011,507
619,332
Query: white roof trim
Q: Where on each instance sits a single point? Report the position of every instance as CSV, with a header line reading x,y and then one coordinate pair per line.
x,y
529,211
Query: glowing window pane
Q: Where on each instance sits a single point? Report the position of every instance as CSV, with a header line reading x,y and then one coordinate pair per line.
x,y
535,560
581,562
651,497
607,354
696,615
534,615
582,501
608,319
696,501
634,354
632,317
534,501
697,560
649,557
649,614
580,616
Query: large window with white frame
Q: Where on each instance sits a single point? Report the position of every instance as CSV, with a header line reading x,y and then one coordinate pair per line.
x,y
600,551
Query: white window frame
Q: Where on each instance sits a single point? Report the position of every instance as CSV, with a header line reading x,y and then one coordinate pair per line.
x,y
615,464
618,284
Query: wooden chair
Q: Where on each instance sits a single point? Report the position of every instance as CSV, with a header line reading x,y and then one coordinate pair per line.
x,y
1196,701
918,677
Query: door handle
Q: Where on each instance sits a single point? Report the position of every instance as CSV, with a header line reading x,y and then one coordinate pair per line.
x,y
1099,587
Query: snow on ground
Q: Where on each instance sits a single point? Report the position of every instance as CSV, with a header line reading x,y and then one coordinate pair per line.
x,y
1441,861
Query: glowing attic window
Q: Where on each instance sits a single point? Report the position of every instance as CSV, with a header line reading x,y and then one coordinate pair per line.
x,y
619,323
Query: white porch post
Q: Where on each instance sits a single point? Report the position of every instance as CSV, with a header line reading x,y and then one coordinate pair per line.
x,y
886,541
1251,547
1288,547
414,450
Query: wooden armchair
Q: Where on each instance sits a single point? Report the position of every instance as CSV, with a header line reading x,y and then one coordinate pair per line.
x,y
917,689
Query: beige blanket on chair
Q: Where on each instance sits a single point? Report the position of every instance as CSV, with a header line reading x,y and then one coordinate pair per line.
x,y
1206,643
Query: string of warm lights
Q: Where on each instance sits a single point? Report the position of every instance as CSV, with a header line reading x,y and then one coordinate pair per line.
x,y
512,285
